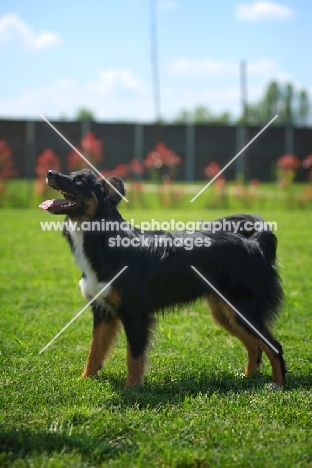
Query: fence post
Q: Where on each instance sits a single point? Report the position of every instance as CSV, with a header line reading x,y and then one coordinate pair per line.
x,y
189,151
30,149
289,139
85,127
240,161
30,160
138,146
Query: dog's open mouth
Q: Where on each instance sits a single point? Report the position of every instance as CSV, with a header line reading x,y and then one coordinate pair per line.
x,y
69,202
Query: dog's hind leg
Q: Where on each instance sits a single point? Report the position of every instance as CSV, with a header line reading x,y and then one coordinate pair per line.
x,y
263,339
254,342
103,336
223,316
276,358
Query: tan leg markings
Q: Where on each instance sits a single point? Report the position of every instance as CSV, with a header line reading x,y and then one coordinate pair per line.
x,y
253,350
277,372
135,368
224,316
103,337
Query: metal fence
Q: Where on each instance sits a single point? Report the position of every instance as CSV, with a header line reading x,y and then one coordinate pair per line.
x,y
197,145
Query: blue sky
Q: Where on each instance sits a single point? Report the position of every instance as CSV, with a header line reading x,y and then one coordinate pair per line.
x,y
57,56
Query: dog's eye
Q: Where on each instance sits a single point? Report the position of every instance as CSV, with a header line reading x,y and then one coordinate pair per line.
x,y
79,178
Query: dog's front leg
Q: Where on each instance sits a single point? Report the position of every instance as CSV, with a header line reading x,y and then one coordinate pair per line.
x,y
136,367
138,329
104,334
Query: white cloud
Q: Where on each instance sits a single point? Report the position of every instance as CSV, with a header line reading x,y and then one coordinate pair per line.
x,y
213,68
262,10
268,69
113,94
113,78
14,30
199,67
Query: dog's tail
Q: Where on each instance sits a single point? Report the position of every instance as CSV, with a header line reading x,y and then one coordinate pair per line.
x,y
267,242
243,224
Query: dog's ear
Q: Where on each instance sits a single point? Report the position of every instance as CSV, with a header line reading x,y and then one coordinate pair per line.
x,y
114,188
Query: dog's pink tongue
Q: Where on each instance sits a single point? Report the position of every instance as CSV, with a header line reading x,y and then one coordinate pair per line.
x,y
52,203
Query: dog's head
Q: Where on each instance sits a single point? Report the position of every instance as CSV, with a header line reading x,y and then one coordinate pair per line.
x,y
84,194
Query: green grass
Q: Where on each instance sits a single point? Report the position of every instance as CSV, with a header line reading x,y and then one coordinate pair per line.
x,y
20,193
194,409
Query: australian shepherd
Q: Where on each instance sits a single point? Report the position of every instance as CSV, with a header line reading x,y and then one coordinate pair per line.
x,y
235,273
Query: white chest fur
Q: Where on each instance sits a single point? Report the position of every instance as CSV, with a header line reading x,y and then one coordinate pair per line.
x,y
89,285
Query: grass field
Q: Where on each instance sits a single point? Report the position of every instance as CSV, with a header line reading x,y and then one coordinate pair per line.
x,y
194,409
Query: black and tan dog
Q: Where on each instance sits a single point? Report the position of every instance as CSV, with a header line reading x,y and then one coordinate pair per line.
x,y
159,275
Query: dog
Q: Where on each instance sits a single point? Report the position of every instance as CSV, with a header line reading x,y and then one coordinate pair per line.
x,y
235,273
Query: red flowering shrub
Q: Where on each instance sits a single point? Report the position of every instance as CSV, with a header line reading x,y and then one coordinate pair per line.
x,y
218,194
212,170
287,166
121,170
307,164
255,183
91,148
132,169
46,160
161,156
135,167
7,169
288,162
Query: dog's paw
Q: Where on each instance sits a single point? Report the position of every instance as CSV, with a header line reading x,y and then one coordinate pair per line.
x,y
274,386
86,374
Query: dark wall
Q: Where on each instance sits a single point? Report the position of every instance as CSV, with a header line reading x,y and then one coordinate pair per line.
x,y
197,146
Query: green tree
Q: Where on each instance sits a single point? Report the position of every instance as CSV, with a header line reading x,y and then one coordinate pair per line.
x,y
288,104
271,100
304,106
202,115
184,116
267,107
282,100
85,115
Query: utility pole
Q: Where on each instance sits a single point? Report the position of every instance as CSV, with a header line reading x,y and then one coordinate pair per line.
x,y
243,83
154,60
243,86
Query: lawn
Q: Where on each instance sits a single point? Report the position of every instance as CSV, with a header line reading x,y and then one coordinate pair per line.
x,y
194,409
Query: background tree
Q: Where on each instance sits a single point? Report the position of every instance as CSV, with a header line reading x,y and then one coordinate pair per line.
x,y
85,115
304,106
291,106
201,115
271,100
288,104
